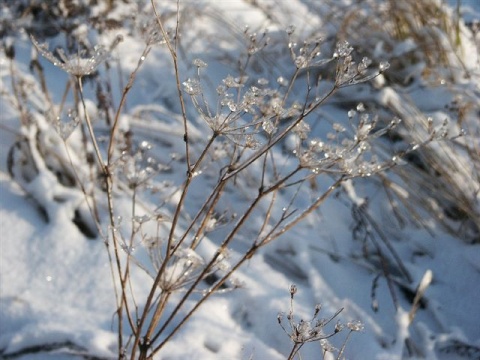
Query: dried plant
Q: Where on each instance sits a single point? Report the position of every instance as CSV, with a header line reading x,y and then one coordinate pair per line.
x,y
249,122
315,330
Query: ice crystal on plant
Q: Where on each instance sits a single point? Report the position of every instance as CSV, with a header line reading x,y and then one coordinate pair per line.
x,y
192,87
301,62
65,129
363,66
262,81
232,106
251,142
290,29
302,129
383,66
306,55
251,99
191,256
293,289
256,42
268,126
343,49
200,63
151,33
141,219
355,325
365,126
185,267
79,64
398,160
276,106
282,81
138,167
327,346
221,89
232,82
303,331
128,249
348,150
338,127
145,145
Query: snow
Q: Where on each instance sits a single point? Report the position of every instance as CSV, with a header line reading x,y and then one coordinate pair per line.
x,y
57,297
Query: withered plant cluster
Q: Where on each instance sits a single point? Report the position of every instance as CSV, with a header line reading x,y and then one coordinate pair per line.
x,y
252,137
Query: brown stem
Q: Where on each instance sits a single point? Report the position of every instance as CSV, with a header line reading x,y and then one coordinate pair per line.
x,y
296,347
170,250
173,53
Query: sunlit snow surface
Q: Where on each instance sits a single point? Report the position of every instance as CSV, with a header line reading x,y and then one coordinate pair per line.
x,y
56,293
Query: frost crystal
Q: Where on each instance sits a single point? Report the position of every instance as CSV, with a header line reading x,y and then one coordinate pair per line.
x,y
65,129
251,142
141,219
362,67
192,87
262,81
231,82
221,89
200,63
268,126
232,106
293,289
360,107
311,330
302,129
384,65
327,346
282,81
78,64
338,127
343,49
301,62
398,160
355,325
191,256
145,145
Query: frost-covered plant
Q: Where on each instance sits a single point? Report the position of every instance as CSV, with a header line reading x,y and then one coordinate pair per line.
x,y
247,122
254,119
258,141
78,65
302,331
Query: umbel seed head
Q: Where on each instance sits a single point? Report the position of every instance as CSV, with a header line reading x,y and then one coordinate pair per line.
x,y
293,290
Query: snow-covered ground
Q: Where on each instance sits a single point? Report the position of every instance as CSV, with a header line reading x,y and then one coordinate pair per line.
x,y
369,249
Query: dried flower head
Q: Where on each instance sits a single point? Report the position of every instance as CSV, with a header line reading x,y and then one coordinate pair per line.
x,y
355,325
314,329
80,64
293,289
